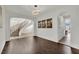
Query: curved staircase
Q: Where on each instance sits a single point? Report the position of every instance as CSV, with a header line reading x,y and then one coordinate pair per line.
x,y
21,30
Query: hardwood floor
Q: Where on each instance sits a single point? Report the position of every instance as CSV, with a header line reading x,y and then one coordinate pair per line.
x,y
66,39
75,51
35,45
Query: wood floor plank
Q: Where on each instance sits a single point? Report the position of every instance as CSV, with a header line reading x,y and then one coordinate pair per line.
x,y
35,45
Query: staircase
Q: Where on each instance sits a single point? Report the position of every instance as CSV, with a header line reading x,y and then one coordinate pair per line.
x,y
22,30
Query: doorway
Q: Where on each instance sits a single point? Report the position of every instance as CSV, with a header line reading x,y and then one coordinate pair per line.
x,y
65,27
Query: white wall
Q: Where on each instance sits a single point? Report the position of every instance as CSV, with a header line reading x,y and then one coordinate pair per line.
x,y
2,30
2,41
61,27
75,28
50,33
35,25
1,17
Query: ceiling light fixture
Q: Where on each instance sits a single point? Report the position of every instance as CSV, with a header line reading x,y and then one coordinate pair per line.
x,y
36,10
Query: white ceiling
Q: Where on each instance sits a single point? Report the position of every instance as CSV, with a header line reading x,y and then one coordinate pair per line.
x,y
27,9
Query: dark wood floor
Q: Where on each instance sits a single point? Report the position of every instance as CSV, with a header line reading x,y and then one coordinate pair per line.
x,y
35,45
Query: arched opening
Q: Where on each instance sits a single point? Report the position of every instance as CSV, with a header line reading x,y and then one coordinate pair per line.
x,y
21,28
64,25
